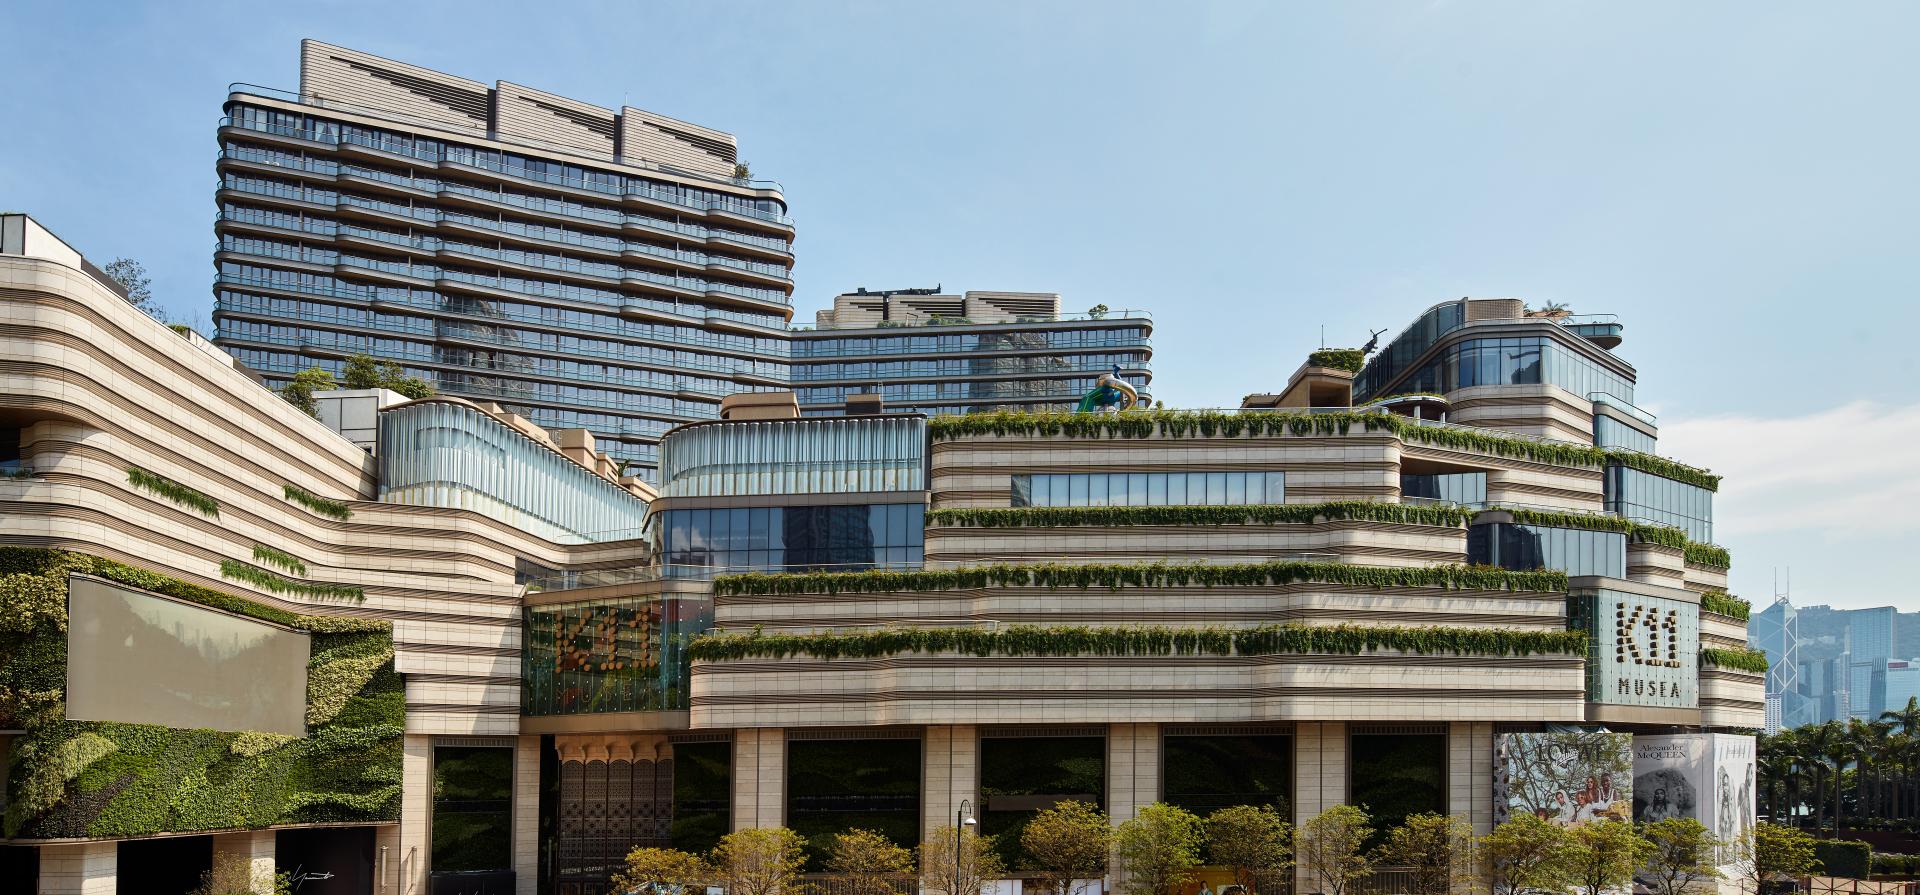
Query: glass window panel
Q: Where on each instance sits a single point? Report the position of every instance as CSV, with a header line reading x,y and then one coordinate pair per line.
x,y
1236,489
1216,488
1022,490
1157,489
1077,490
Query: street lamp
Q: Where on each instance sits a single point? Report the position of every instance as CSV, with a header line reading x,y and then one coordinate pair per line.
x,y
962,819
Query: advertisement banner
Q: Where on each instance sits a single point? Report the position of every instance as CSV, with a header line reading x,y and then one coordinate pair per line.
x,y
1705,776
1567,777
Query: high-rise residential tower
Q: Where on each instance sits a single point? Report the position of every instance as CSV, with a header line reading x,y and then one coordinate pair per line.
x,y
585,267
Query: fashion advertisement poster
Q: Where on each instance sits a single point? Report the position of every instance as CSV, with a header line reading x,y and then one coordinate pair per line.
x,y
1567,777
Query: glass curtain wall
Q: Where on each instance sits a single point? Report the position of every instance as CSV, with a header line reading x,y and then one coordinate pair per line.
x,y
1646,497
1611,433
1468,489
472,809
1398,774
796,538
803,456
1574,551
1021,776
443,454
1141,489
1205,772
702,794
625,655
838,785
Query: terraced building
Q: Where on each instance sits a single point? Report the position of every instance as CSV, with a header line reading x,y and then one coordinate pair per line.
x,y
522,664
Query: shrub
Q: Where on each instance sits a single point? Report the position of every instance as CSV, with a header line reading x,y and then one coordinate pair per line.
x,y
1348,359
1330,848
1159,848
1719,603
1262,514
958,863
173,491
1252,841
1067,842
759,861
1847,858
863,862
1059,575
669,869
1751,660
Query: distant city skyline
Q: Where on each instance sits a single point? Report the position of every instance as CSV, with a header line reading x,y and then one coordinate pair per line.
x,y
1667,167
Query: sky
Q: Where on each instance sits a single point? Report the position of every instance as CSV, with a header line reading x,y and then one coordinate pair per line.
x,y
1737,181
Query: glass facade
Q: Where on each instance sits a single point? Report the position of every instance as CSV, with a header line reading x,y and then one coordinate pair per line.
x,y
1645,497
472,809
1143,489
838,785
1397,775
621,655
1575,551
446,454
1468,489
792,539
1206,772
702,794
1029,365
795,457
1612,433
1021,776
1526,360
549,286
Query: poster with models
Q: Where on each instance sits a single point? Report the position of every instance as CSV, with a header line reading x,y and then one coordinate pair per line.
x,y
1567,777
1733,781
1706,776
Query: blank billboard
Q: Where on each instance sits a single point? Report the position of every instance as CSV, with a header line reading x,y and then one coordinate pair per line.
x,y
141,658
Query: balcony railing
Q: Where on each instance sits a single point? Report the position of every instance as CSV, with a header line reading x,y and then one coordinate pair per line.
x,y
1001,320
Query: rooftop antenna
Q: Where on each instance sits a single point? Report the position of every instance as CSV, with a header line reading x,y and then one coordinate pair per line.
x,y
1323,335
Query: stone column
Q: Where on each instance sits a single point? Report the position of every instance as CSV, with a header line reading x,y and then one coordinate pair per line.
x,y
1470,773
951,775
1133,769
85,868
1319,776
255,848
416,811
759,777
387,852
526,814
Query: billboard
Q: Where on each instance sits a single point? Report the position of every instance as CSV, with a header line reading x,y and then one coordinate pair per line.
x,y
1706,776
1567,777
141,658
1646,650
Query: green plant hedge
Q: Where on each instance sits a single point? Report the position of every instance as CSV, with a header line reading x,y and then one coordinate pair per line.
x,y
1664,535
1720,603
172,490
1348,359
1737,659
1234,424
1029,640
95,779
1708,555
235,570
1059,575
1844,858
1263,514
330,508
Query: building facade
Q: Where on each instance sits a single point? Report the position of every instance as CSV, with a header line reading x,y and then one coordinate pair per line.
x,y
876,621
585,267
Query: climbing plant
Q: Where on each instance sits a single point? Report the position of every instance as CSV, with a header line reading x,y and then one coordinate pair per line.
x,y
272,583
332,509
173,491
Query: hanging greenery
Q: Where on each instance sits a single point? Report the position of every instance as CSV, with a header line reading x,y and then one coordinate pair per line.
x,y
1030,640
1664,535
1271,424
1719,603
1061,575
79,779
1708,555
1751,660
330,508
280,558
1348,359
174,491
272,583
1261,514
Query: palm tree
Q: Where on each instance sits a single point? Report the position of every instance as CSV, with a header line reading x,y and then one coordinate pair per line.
x,y
1906,720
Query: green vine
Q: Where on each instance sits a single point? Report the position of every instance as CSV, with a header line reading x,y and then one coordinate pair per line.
x,y
1719,603
1751,660
1261,514
1664,535
91,779
1269,424
174,491
272,583
280,558
332,509
1708,555
1060,575
1348,359
1029,640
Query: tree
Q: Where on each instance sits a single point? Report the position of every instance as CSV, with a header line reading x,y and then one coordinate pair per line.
x,y
1680,852
1330,848
362,371
1528,854
1068,842
960,864
235,874
1097,311
1251,841
1771,852
759,861
305,384
1436,849
1158,848
663,870
864,862
132,276
1604,854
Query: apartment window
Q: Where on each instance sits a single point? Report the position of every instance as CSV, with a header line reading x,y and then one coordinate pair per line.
x,y
1140,489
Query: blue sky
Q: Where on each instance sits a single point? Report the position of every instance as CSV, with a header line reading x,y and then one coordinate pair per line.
x,y
1737,181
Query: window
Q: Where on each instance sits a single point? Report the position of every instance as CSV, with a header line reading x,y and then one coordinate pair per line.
x,y
1397,775
838,785
1645,497
1464,488
1574,551
702,795
472,809
1204,773
1020,776
1139,489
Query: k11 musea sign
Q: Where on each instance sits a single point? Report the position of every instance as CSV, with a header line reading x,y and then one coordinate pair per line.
x,y
1646,650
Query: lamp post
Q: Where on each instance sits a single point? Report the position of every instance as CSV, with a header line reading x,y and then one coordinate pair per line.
x,y
962,819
